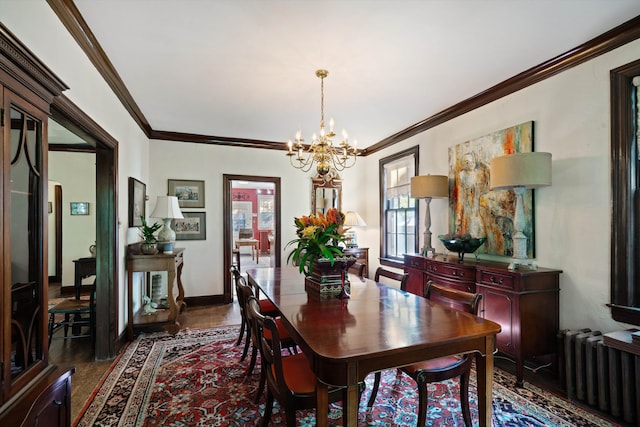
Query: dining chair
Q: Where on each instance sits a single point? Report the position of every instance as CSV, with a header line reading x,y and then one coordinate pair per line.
x,y
442,368
266,307
289,379
75,314
399,277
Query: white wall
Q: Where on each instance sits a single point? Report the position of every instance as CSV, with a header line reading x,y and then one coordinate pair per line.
x,y
37,26
573,216
76,172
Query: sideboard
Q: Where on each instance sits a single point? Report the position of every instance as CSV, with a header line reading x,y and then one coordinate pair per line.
x,y
362,255
524,302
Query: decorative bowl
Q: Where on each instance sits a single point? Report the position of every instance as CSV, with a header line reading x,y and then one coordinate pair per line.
x,y
461,244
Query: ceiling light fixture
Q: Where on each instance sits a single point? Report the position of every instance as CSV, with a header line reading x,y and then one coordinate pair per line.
x,y
321,150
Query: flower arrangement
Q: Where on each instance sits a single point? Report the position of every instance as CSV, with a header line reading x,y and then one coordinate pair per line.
x,y
318,237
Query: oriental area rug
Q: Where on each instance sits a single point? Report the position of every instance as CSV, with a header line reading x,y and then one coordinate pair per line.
x,y
195,378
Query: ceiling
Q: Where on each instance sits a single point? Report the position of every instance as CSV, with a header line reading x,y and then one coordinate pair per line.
x,y
246,68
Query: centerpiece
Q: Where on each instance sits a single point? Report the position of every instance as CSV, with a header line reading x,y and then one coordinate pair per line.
x,y
318,253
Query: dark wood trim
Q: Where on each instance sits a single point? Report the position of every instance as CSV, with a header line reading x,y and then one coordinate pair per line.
x,y
72,148
57,196
618,36
604,43
227,243
21,67
218,140
203,301
69,115
71,18
625,181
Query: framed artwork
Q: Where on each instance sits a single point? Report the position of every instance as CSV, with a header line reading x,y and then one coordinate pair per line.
x,y
265,212
79,208
192,227
137,198
190,194
473,207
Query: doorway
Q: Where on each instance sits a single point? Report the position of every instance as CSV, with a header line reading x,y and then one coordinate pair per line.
x,y
251,223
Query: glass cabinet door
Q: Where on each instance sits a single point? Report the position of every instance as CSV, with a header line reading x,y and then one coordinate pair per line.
x,y
24,240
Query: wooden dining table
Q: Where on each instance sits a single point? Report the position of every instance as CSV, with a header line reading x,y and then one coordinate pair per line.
x,y
379,327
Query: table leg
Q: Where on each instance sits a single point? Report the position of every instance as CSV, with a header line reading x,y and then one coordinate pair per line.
x,y
322,404
352,405
484,367
257,253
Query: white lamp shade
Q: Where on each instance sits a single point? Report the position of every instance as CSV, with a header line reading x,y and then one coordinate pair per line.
x,y
528,170
167,207
353,219
434,186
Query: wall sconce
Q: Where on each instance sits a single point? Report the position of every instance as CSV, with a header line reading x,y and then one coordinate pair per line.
x,y
167,208
352,219
519,172
428,187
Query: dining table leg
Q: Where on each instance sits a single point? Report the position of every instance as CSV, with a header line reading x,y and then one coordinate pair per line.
x,y
352,405
322,404
484,369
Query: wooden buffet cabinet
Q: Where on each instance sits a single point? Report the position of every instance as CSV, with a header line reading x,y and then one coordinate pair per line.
x,y
524,302
362,255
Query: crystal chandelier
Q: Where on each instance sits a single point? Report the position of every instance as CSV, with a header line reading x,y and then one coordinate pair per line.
x,y
322,150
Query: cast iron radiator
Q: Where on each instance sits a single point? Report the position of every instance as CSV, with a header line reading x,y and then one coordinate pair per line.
x,y
600,376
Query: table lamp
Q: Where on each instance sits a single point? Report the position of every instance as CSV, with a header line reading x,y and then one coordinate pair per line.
x,y
519,172
352,219
428,187
167,208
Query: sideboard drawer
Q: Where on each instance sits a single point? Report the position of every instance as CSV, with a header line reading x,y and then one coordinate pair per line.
x,y
417,261
457,272
495,279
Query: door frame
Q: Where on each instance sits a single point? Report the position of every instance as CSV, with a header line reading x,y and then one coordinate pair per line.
x,y
227,240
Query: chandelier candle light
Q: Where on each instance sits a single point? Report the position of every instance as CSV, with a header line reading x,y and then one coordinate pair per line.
x,y
428,187
519,172
167,208
322,150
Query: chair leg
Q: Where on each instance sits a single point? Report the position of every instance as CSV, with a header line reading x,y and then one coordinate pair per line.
x,y
51,322
423,401
464,398
246,347
242,326
260,391
374,390
252,363
268,407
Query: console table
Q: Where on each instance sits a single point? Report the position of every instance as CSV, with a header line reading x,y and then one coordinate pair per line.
x,y
362,255
172,264
524,302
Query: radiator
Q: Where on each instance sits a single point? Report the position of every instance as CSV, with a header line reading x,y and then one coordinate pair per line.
x,y
597,375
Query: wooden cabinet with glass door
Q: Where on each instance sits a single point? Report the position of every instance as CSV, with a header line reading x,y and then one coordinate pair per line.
x,y
28,383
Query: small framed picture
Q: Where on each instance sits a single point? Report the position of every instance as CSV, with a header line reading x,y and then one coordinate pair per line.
x,y
192,227
79,208
137,197
190,194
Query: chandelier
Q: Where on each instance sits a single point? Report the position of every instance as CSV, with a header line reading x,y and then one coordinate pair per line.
x,y
322,149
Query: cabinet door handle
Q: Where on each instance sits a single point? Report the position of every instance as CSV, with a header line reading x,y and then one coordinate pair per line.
x,y
57,402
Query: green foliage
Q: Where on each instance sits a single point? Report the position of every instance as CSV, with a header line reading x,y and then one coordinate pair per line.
x,y
315,242
146,231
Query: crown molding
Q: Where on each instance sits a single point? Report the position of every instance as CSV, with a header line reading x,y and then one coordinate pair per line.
x,y
618,36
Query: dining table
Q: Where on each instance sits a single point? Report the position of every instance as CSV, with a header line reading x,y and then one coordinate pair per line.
x,y
378,327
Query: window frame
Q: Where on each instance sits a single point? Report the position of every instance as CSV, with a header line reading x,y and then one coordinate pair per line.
x,y
625,189
384,258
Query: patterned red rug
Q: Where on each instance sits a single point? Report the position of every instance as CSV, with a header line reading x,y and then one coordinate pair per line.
x,y
195,378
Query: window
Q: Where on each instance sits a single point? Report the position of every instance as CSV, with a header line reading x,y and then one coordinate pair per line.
x,y
625,179
399,212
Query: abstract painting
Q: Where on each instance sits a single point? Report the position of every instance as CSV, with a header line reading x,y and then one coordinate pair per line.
x,y
475,209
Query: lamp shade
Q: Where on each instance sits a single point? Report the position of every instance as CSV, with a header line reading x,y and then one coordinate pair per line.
x,y
352,219
527,170
167,207
434,186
